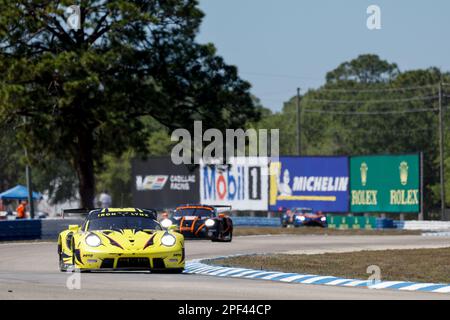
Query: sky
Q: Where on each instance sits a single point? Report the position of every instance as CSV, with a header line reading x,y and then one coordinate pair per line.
x,y
279,45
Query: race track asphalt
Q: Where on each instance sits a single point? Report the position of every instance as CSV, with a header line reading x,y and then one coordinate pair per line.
x,y
29,270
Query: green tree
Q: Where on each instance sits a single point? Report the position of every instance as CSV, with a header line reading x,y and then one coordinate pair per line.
x,y
49,173
365,69
114,176
85,92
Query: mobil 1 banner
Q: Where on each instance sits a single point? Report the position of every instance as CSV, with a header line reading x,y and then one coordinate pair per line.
x,y
320,183
386,183
158,183
241,183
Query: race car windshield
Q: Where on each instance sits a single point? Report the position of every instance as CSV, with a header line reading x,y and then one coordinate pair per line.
x,y
198,212
123,222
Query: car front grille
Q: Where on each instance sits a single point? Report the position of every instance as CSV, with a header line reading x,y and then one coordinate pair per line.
x,y
133,263
188,224
107,263
158,263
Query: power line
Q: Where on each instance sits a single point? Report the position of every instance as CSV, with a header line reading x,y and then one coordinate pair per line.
x,y
423,98
273,93
380,90
279,76
370,112
390,130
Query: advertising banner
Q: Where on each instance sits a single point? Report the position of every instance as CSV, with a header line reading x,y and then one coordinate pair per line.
x,y
158,183
385,183
320,183
243,183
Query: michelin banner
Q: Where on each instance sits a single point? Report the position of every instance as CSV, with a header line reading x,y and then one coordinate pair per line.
x,y
320,183
243,183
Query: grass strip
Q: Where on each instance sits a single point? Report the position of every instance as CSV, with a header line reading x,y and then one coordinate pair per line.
x,y
417,265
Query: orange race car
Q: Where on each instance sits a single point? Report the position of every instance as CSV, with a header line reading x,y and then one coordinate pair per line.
x,y
202,222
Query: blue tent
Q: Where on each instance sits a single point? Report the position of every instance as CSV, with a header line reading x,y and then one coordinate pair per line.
x,y
19,192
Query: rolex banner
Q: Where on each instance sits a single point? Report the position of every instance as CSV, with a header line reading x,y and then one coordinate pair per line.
x,y
385,183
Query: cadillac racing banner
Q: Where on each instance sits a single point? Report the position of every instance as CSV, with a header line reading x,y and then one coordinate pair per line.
x,y
243,183
158,183
320,183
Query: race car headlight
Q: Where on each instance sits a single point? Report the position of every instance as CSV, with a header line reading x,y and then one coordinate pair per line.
x,y
93,240
166,223
323,218
168,240
209,222
301,218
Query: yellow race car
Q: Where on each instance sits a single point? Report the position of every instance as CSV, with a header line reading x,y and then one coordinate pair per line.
x,y
120,239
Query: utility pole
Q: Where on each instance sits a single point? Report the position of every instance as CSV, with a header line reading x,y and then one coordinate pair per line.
x,y
299,142
422,213
28,178
441,152
29,186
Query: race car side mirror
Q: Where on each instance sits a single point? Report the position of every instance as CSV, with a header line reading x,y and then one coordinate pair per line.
x,y
74,227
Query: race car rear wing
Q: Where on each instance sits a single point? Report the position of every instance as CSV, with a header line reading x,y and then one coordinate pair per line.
x,y
85,212
205,205
221,206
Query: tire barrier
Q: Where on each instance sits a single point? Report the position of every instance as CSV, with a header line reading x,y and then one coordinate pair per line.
x,y
352,222
11,230
28,229
436,234
48,229
256,221
385,224
51,228
425,225
399,224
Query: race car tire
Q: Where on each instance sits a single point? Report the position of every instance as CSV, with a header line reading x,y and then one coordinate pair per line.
x,y
62,266
228,239
73,252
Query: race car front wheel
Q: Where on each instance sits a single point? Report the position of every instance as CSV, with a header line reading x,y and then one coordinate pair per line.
x,y
229,237
62,265
226,238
